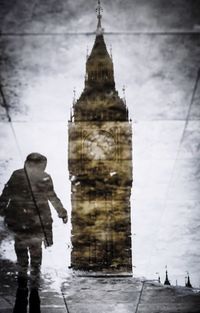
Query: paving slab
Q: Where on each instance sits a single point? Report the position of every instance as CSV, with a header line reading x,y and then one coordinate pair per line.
x,y
110,295
126,295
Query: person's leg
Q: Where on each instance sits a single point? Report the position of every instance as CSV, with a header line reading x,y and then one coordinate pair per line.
x,y
21,301
21,251
35,248
34,301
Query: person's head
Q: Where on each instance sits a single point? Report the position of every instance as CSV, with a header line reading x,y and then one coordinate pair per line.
x,y
36,161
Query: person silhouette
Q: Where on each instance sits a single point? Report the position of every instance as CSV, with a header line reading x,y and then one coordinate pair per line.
x,y
24,204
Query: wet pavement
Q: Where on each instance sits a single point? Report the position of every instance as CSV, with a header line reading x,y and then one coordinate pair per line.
x,y
99,294
43,54
62,290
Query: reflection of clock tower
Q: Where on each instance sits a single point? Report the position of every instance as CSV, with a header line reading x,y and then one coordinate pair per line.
x,y
100,167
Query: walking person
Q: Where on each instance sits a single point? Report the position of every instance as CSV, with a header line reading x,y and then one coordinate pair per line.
x,y
24,203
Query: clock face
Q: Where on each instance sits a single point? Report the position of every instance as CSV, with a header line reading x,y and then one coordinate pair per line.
x,y
99,145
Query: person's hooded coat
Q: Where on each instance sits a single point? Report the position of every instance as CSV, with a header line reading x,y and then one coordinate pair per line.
x,y
25,200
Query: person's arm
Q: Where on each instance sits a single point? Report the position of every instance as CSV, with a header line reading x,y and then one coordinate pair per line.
x,y
5,198
55,201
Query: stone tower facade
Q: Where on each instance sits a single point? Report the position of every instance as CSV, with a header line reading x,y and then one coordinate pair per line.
x,y
100,168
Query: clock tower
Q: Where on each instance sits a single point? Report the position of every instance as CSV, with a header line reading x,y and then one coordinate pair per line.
x,y
100,168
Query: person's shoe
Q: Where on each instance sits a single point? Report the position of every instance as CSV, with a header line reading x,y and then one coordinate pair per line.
x,y
21,301
34,301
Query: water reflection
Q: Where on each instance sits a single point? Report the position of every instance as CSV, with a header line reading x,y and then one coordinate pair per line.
x,y
25,208
21,302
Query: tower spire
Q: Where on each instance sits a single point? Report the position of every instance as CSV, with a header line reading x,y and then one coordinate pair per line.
x,y
99,65
188,283
167,282
99,10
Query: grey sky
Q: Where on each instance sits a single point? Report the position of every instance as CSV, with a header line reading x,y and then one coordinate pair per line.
x,y
52,15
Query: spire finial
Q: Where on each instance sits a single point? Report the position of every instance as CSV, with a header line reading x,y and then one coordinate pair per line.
x,y
99,16
158,277
87,53
124,90
124,93
74,98
73,104
99,10
111,51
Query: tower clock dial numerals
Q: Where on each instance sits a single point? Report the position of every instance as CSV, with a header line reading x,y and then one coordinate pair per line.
x,y
99,145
